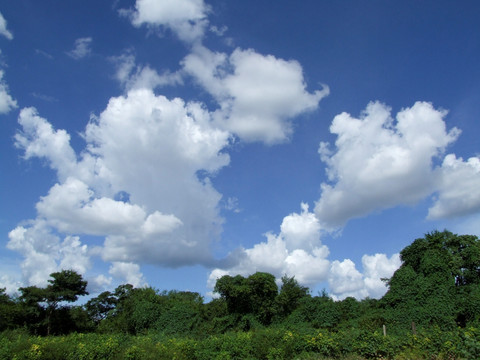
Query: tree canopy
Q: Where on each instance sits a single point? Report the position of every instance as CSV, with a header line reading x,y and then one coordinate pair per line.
x,y
66,285
439,280
438,284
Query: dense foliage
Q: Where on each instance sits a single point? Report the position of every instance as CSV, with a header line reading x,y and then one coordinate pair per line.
x,y
431,310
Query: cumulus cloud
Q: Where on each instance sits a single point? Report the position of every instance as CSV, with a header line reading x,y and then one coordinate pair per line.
x,y
164,144
295,251
38,138
7,103
9,284
3,28
159,153
258,94
345,280
71,208
45,253
380,163
98,284
129,273
459,190
185,18
82,48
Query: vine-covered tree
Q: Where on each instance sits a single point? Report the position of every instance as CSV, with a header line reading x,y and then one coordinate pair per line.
x,y
438,282
255,295
290,295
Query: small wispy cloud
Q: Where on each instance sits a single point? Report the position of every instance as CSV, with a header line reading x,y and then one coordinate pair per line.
x,y
218,31
43,53
231,204
3,28
44,97
82,48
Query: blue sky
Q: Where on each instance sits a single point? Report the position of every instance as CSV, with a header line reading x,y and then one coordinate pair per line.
x,y
171,142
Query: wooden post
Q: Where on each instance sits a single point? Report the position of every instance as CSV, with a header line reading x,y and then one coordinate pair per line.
x,y
384,330
414,330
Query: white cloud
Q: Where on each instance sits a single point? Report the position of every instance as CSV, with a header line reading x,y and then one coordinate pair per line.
x,y
10,285
156,151
164,144
301,231
186,18
297,251
128,272
44,252
74,255
218,31
72,208
3,28
132,76
379,163
377,267
40,139
7,103
82,48
345,280
459,189
10,278
258,95
98,284
279,256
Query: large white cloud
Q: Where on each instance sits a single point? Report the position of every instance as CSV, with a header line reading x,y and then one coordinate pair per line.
x,y
45,253
164,144
379,163
186,18
345,280
72,208
258,94
296,251
459,189
155,152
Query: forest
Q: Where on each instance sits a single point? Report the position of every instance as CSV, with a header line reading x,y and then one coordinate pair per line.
x,y
430,311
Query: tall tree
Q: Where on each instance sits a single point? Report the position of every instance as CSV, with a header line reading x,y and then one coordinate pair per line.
x,y
253,295
438,281
9,311
65,286
291,292
99,307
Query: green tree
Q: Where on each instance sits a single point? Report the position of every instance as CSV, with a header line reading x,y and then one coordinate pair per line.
x,y
181,313
288,299
319,311
235,291
99,307
253,295
65,286
263,291
10,312
438,281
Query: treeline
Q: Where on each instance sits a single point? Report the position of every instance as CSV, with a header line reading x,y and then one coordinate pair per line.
x,y
435,291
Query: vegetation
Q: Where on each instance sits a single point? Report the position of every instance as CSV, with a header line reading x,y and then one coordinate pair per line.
x,y
431,311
